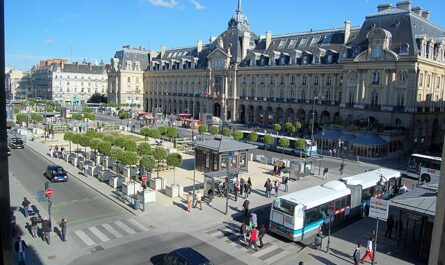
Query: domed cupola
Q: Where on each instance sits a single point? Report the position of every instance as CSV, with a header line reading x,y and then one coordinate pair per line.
x,y
239,20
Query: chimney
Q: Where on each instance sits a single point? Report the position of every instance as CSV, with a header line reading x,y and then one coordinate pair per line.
x,y
199,46
347,31
384,6
90,67
417,10
426,14
268,39
77,65
162,51
405,5
62,63
212,39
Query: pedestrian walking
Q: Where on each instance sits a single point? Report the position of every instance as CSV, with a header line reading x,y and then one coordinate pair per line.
x,y
261,234
266,184
277,187
389,226
51,151
246,190
243,232
189,201
25,205
368,252
46,228
246,204
85,168
249,182
286,184
241,187
20,247
236,190
356,254
253,238
198,200
269,188
325,173
254,218
342,167
34,224
63,228
210,195
56,151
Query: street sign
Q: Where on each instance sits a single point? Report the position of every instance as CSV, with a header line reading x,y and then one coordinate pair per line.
x,y
379,208
144,178
48,192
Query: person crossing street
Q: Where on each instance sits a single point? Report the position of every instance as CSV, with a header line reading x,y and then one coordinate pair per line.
x,y
25,205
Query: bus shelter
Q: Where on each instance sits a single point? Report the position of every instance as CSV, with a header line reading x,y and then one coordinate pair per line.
x,y
216,179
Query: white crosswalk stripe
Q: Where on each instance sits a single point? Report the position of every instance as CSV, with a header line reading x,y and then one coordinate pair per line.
x,y
113,231
276,257
88,241
138,225
125,227
98,233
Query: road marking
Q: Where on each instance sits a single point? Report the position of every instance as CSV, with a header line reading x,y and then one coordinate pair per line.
x,y
113,231
264,251
276,257
98,233
138,225
125,227
88,241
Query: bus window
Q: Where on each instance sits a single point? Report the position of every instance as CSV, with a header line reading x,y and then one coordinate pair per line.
x,y
284,206
368,193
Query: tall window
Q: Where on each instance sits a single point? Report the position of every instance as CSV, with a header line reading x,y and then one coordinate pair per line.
x,y
375,78
271,80
328,95
329,80
374,99
304,80
303,94
315,80
281,93
421,79
351,97
244,92
293,80
292,94
438,82
282,80
128,79
428,80
252,92
400,100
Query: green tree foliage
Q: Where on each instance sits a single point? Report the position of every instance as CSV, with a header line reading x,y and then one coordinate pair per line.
x,y
283,142
202,129
129,158
36,117
162,130
145,131
238,135
76,139
300,144
91,116
117,153
172,132
22,118
91,133
119,141
253,137
94,143
214,130
226,131
123,115
68,136
144,149
288,126
84,141
155,134
77,116
298,126
130,145
87,110
109,138
16,110
174,160
159,154
104,148
277,127
100,135
268,139
148,162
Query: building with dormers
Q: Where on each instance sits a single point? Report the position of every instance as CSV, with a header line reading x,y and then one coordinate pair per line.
x,y
386,75
67,83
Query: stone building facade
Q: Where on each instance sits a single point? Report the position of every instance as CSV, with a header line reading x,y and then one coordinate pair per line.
x,y
388,73
12,83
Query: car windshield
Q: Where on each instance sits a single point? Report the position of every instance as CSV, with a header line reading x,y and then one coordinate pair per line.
x,y
16,140
58,170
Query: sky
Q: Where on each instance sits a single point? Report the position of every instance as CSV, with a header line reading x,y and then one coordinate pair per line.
x,y
95,29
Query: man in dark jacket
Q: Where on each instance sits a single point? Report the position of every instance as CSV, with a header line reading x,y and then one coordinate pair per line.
x,y
20,247
46,228
246,204
34,223
262,234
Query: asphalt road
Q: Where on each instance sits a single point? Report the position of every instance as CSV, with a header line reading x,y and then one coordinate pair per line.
x,y
72,199
151,250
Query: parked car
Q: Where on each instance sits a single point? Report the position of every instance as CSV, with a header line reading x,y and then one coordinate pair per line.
x,y
56,173
187,256
16,143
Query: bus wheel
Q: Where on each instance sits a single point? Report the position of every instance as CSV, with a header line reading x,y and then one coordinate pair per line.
x,y
425,178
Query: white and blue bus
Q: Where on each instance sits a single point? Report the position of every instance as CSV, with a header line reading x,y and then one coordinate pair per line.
x,y
310,147
302,214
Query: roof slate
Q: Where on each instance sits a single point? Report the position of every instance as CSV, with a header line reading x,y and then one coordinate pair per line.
x,y
224,145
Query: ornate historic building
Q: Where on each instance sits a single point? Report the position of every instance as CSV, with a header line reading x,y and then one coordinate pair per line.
x,y
386,75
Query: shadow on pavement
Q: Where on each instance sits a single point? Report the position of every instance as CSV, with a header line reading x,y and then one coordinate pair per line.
x,y
323,260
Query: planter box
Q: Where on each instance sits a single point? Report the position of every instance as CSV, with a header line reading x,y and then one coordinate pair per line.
x,y
106,175
147,196
113,182
157,183
174,191
129,188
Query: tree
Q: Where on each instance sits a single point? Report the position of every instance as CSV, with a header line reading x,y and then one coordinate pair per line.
x,y
68,136
277,127
84,141
130,145
145,131
268,141
117,154
226,131
144,149
97,98
76,139
119,141
109,138
91,134
148,162
16,110
100,135
201,130
238,135
123,115
87,110
22,118
174,160
297,126
94,144
76,116
129,158
155,134
253,137
36,117
162,129
92,116
104,148
288,126
214,130
300,144
159,154
172,132
283,142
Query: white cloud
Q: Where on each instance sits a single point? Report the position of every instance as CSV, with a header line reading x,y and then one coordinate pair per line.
x,y
164,3
197,5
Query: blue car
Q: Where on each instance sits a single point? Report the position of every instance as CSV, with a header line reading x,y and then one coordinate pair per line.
x,y
56,173
186,256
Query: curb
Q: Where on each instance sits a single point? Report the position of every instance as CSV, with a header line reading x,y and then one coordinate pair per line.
x,y
127,208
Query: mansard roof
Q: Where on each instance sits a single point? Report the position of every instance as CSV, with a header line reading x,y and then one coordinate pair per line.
x,y
133,54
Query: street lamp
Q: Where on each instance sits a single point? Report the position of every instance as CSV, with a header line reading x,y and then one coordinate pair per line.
x,y
313,119
382,182
228,163
194,165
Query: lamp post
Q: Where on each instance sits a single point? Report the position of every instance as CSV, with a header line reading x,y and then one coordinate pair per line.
x,y
229,162
194,165
382,182
313,119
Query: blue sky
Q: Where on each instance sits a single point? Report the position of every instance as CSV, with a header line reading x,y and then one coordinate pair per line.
x,y
95,29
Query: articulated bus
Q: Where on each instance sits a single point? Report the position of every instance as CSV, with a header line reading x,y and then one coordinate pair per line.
x,y
311,148
302,214
424,168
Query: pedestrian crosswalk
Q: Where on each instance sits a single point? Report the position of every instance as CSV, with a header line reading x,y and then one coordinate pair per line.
x,y
97,234
269,253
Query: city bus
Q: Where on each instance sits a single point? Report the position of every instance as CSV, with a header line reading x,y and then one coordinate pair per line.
x,y
310,147
424,168
183,116
302,214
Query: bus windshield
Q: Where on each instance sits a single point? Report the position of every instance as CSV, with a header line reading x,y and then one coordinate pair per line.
x,y
417,162
284,206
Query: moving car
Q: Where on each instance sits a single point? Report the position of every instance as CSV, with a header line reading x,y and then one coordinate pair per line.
x,y
56,173
187,256
16,143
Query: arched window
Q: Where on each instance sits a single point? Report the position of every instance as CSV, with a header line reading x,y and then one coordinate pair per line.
x,y
404,49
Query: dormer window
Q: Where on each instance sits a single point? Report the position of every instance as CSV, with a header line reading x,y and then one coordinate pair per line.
x,y
282,60
305,60
377,51
404,49
330,59
262,61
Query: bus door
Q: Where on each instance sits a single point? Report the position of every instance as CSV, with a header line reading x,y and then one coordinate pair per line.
x,y
356,200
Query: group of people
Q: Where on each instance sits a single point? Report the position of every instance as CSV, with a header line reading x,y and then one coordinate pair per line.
x,y
56,151
33,225
250,230
198,199
369,253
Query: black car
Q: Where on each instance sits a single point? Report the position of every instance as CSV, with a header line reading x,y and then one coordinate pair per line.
x,y
186,256
16,143
56,173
